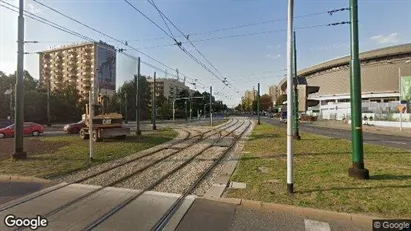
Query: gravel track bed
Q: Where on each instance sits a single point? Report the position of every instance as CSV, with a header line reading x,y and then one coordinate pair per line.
x,y
181,181
129,168
235,154
143,180
87,172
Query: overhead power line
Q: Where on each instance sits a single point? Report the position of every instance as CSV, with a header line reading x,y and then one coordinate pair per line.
x,y
184,50
245,25
64,29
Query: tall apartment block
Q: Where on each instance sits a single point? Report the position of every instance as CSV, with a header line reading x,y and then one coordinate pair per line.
x,y
87,66
166,87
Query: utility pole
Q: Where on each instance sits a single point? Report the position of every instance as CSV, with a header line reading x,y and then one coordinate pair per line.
x,y
296,118
174,110
211,106
90,117
191,106
11,102
153,108
185,109
137,79
357,171
19,152
258,104
290,180
125,107
48,104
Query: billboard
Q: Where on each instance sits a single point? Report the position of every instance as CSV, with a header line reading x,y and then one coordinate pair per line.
x,y
106,67
405,88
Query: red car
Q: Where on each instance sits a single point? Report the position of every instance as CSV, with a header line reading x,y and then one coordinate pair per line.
x,y
74,128
29,128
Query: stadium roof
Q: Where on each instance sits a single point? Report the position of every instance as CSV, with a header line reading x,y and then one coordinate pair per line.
x,y
368,55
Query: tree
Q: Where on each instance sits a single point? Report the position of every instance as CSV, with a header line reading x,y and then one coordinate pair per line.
x,y
266,102
281,99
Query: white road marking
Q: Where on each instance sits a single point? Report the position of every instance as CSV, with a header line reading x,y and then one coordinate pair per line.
x,y
395,142
311,225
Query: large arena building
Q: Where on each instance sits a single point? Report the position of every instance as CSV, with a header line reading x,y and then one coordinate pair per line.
x,y
380,81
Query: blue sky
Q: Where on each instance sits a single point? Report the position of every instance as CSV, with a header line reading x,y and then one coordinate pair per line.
x,y
244,60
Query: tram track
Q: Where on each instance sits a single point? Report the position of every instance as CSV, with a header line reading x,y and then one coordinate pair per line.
x,y
150,153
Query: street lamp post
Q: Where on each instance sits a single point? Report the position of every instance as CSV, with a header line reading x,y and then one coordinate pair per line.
x,y
357,170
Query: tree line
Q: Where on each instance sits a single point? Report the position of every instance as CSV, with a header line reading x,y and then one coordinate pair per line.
x,y
67,105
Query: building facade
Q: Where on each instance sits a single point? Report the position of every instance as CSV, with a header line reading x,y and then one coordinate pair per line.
x,y
274,91
166,87
381,72
87,66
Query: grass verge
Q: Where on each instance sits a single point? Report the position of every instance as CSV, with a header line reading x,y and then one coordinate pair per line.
x,y
321,174
74,154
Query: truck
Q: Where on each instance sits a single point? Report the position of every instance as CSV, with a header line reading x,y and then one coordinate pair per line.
x,y
105,124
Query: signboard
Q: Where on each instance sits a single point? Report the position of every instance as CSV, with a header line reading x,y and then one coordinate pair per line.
x,y
405,88
106,67
401,108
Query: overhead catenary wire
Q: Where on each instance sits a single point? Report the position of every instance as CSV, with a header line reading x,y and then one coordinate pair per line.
x,y
64,29
247,25
106,35
187,38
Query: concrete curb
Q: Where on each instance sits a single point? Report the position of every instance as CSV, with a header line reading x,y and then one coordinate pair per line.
x,y
302,211
222,181
11,178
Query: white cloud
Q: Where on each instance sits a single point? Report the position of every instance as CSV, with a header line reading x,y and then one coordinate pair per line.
x,y
386,39
273,56
32,9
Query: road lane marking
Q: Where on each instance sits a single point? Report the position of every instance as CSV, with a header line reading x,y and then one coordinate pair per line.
x,y
395,142
311,225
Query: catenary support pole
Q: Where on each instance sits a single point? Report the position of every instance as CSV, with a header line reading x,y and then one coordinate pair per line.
x,y
211,105
48,104
154,106
357,170
19,152
90,118
258,104
191,106
290,180
174,110
296,117
126,107
137,79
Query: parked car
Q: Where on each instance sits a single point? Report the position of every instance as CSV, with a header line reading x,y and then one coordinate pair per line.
x,y
74,128
5,123
29,128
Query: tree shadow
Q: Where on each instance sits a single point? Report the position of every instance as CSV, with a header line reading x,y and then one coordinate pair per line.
x,y
246,158
390,177
352,188
264,136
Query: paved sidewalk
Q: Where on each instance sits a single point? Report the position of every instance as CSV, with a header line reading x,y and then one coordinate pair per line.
x,y
406,132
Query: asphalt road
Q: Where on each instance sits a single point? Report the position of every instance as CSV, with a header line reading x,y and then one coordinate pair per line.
x,y
369,138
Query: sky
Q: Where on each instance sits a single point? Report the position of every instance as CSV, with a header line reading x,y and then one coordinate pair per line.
x,y
244,60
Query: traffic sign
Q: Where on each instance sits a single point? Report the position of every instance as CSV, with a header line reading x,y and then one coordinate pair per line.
x,y
401,108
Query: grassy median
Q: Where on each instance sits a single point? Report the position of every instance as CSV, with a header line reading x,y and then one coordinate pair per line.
x,y
321,174
56,156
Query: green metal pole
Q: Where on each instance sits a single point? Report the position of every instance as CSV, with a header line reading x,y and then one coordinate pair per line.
x,y
137,79
357,171
296,119
19,152
125,107
154,103
258,104
185,109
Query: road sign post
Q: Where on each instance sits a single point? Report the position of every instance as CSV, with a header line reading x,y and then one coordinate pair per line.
x,y
258,104
357,170
154,107
137,80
